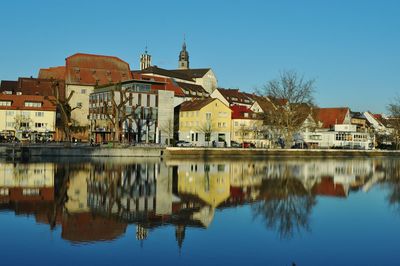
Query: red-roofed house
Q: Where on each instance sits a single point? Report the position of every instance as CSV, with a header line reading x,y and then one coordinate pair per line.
x,y
27,116
336,131
82,72
329,117
247,126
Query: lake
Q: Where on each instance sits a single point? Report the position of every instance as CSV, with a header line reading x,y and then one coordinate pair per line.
x,y
282,211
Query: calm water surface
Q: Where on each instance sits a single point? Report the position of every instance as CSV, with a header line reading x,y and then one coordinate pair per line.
x,y
217,212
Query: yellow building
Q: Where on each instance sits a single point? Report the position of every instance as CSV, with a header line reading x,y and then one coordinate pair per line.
x,y
27,116
205,122
247,126
208,182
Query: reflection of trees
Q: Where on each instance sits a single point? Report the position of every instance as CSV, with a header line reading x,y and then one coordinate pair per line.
x,y
392,177
285,206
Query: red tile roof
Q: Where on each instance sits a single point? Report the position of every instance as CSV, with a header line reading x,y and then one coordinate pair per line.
x,y
327,187
239,111
90,69
170,85
52,73
331,116
18,102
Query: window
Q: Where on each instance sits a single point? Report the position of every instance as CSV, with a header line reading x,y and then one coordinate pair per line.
x,y
10,113
208,116
197,136
25,114
39,125
221,137
33,104
5,103
236,123
10,124
207,136
148,100
39,114
83,91
30,191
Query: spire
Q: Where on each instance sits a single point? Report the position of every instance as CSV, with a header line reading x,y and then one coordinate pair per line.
x,y
184,56
145,60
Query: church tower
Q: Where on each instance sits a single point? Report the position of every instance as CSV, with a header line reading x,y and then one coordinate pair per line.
x,y
183,57
145,60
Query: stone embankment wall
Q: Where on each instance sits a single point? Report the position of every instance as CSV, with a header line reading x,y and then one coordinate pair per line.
x,y
236,153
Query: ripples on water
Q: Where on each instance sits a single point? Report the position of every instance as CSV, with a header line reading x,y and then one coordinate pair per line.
x,y
271,212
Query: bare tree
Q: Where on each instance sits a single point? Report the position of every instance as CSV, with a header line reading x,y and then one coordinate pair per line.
x,y
168,129
287,206
292,97
64,108
207,128
394,121
116,110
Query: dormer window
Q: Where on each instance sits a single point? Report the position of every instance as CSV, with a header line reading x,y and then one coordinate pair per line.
x,y
5,103
33,104
246,114
77,70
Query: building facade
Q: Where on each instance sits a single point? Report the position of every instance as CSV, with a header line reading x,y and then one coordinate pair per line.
x,y
148,113
27,117
204,122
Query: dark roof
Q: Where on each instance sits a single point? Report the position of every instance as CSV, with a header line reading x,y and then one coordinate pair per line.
x,y
8,85
34,86
196,104
193,73
193,90
164,72
234,96
91,69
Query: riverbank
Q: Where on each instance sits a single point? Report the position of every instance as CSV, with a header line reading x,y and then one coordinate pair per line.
x,y
35,151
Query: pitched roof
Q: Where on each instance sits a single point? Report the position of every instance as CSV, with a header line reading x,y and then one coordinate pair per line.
x,y
193,73
331,116
196,104
34,86
264,102
164,72
234,96
193,90
170,84
327,187
18,102
240,111
8,85
52,73
91,69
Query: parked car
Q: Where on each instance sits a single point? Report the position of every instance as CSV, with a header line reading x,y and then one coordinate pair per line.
x,y
248,145
183,143
235,144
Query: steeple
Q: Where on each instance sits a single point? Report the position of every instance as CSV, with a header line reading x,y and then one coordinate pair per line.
x,y
145,60
183,56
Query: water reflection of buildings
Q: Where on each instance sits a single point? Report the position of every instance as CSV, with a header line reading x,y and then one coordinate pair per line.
x,y
98,201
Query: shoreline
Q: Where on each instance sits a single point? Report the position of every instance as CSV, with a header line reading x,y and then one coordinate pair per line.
x,y
34,151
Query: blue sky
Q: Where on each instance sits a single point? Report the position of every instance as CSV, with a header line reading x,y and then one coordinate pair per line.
x,y
350,47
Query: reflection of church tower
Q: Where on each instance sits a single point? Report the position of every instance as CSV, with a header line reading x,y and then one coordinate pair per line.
x,y
145,60
183,57
180,234
141,232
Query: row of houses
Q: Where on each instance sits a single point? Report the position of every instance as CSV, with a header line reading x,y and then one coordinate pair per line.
x,y
99,98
